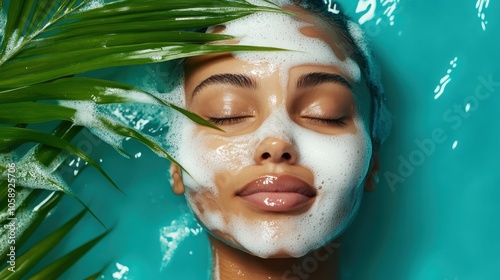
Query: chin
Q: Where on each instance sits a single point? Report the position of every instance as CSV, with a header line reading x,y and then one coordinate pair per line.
x,y
281,255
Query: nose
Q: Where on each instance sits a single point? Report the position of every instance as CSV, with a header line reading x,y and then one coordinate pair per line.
x,y
275,150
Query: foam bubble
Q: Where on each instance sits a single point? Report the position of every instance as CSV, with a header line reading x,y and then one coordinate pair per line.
x,y
94,4
87,115
24,218
31,174
3,21
13,44
216,268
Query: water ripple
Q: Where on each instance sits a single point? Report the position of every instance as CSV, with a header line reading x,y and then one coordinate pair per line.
x,y
370,6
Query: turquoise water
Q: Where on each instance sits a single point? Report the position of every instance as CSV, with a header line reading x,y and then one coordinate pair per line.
x,y
435,212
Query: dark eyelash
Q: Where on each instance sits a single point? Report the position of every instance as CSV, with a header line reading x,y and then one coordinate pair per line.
x,y
336,122
225,121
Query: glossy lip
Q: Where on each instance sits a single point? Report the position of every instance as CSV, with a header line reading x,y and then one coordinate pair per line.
x,y
282,193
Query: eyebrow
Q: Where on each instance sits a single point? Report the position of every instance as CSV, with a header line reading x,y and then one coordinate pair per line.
x,y
238,80
318,78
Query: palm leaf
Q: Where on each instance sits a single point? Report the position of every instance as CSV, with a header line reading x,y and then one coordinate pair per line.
x,y
57,268
22,135
31,257
32,112
77,88
45,47
39,214
39,69
64,35
97,275
84,89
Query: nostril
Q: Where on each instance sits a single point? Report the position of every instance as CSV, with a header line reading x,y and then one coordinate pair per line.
x,y
286,156
275,151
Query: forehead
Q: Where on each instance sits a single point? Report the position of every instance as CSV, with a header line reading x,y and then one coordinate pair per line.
x,y
308,39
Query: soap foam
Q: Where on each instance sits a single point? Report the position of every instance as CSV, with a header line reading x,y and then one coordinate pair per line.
x,y
173,235
13,43
24,219
31,174
94,4
3,21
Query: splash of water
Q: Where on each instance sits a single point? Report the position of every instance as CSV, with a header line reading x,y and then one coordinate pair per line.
x,y
122,271
481,6
178,230
369,7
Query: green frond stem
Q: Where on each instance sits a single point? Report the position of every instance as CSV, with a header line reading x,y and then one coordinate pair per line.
x,y
177,15
66,131
194,117
13,37
50,46
127,132
78,89
35,70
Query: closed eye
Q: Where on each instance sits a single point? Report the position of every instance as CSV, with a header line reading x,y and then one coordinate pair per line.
x,y
227,120
328,121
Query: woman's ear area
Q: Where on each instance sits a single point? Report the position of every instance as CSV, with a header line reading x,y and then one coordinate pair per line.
x,y
371,178
176,179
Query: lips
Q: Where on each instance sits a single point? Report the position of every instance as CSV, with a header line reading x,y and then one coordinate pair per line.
x,y
277,193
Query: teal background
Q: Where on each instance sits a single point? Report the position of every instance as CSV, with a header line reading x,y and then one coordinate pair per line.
x,y
435,213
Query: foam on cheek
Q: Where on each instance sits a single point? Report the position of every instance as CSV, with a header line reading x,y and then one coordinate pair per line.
x,y
190,148
203,162
283,31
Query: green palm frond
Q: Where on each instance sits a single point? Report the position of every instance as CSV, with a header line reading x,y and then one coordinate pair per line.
x,y
119,33
43,45
26,262
58,267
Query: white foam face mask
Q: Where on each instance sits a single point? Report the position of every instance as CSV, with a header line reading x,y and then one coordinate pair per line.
x,y
339,162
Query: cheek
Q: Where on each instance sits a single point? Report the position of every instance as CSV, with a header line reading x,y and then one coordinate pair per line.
x,y
232,156
204,156
206,207
339,162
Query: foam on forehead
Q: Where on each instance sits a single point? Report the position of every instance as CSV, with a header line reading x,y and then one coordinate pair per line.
x,y
283,31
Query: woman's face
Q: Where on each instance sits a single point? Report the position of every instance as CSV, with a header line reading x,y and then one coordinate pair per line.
x,y
285,176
